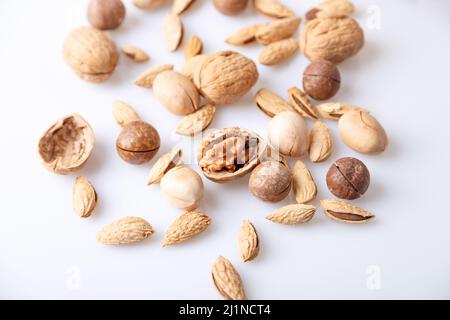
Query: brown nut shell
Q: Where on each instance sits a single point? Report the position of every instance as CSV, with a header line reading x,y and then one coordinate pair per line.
x,y
230,7
227,154
66,145
138,142
321,80
91,54
270,181
348,178
106,14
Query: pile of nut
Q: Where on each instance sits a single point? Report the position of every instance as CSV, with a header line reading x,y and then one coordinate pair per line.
x,y
205,82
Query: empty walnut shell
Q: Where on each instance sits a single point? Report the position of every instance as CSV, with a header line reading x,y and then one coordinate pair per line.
x,y
91,54
230,153
66,145
138,142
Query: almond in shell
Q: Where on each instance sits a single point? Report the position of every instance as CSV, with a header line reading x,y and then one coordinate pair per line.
x,y
125,231
186,226
292,214
278,51
345,212
248,242
197,122
164,164
270,103
227,280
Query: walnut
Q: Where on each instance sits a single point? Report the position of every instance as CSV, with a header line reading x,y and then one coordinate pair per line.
x,y
331,38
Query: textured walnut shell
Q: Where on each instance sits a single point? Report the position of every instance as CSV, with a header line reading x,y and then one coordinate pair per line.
x,y
176,92
66,145
230,153
138,142
270,181
332,38
224,77
91,54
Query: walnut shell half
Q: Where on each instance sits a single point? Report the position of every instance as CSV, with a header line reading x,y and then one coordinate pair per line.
x,y
66,145
227,154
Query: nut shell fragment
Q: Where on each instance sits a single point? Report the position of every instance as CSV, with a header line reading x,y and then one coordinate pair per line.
x,y
335,110
300,103
164,164
66,145
270,103
320,142
196,122
303,185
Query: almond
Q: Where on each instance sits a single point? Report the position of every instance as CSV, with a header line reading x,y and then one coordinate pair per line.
x,y
197,122
125,231
293,214
173,31
278,51
145,80
248,242
180,6
84,197
271,103
272,8
193,47
186,226
164,164
124,113
135,53
301,103
303,185
227,280
243,36
277,30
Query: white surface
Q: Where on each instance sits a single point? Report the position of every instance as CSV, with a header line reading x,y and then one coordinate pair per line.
x,y
46,251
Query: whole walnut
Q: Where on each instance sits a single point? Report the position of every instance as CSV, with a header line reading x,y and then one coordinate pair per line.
x,y
91,54
331,38
106,14
224,77
230,7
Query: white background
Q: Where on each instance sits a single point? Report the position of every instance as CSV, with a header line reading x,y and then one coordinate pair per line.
x,y
46,251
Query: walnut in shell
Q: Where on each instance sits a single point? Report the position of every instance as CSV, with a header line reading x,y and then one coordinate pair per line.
x,y
331,38
66,145
224,77
230,153
91,54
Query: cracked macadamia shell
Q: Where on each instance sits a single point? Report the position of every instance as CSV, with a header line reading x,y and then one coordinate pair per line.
x,y
138,142
66,145
362,132
224,77
270,181
331,38
182,187
176,92
91,54
288,134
